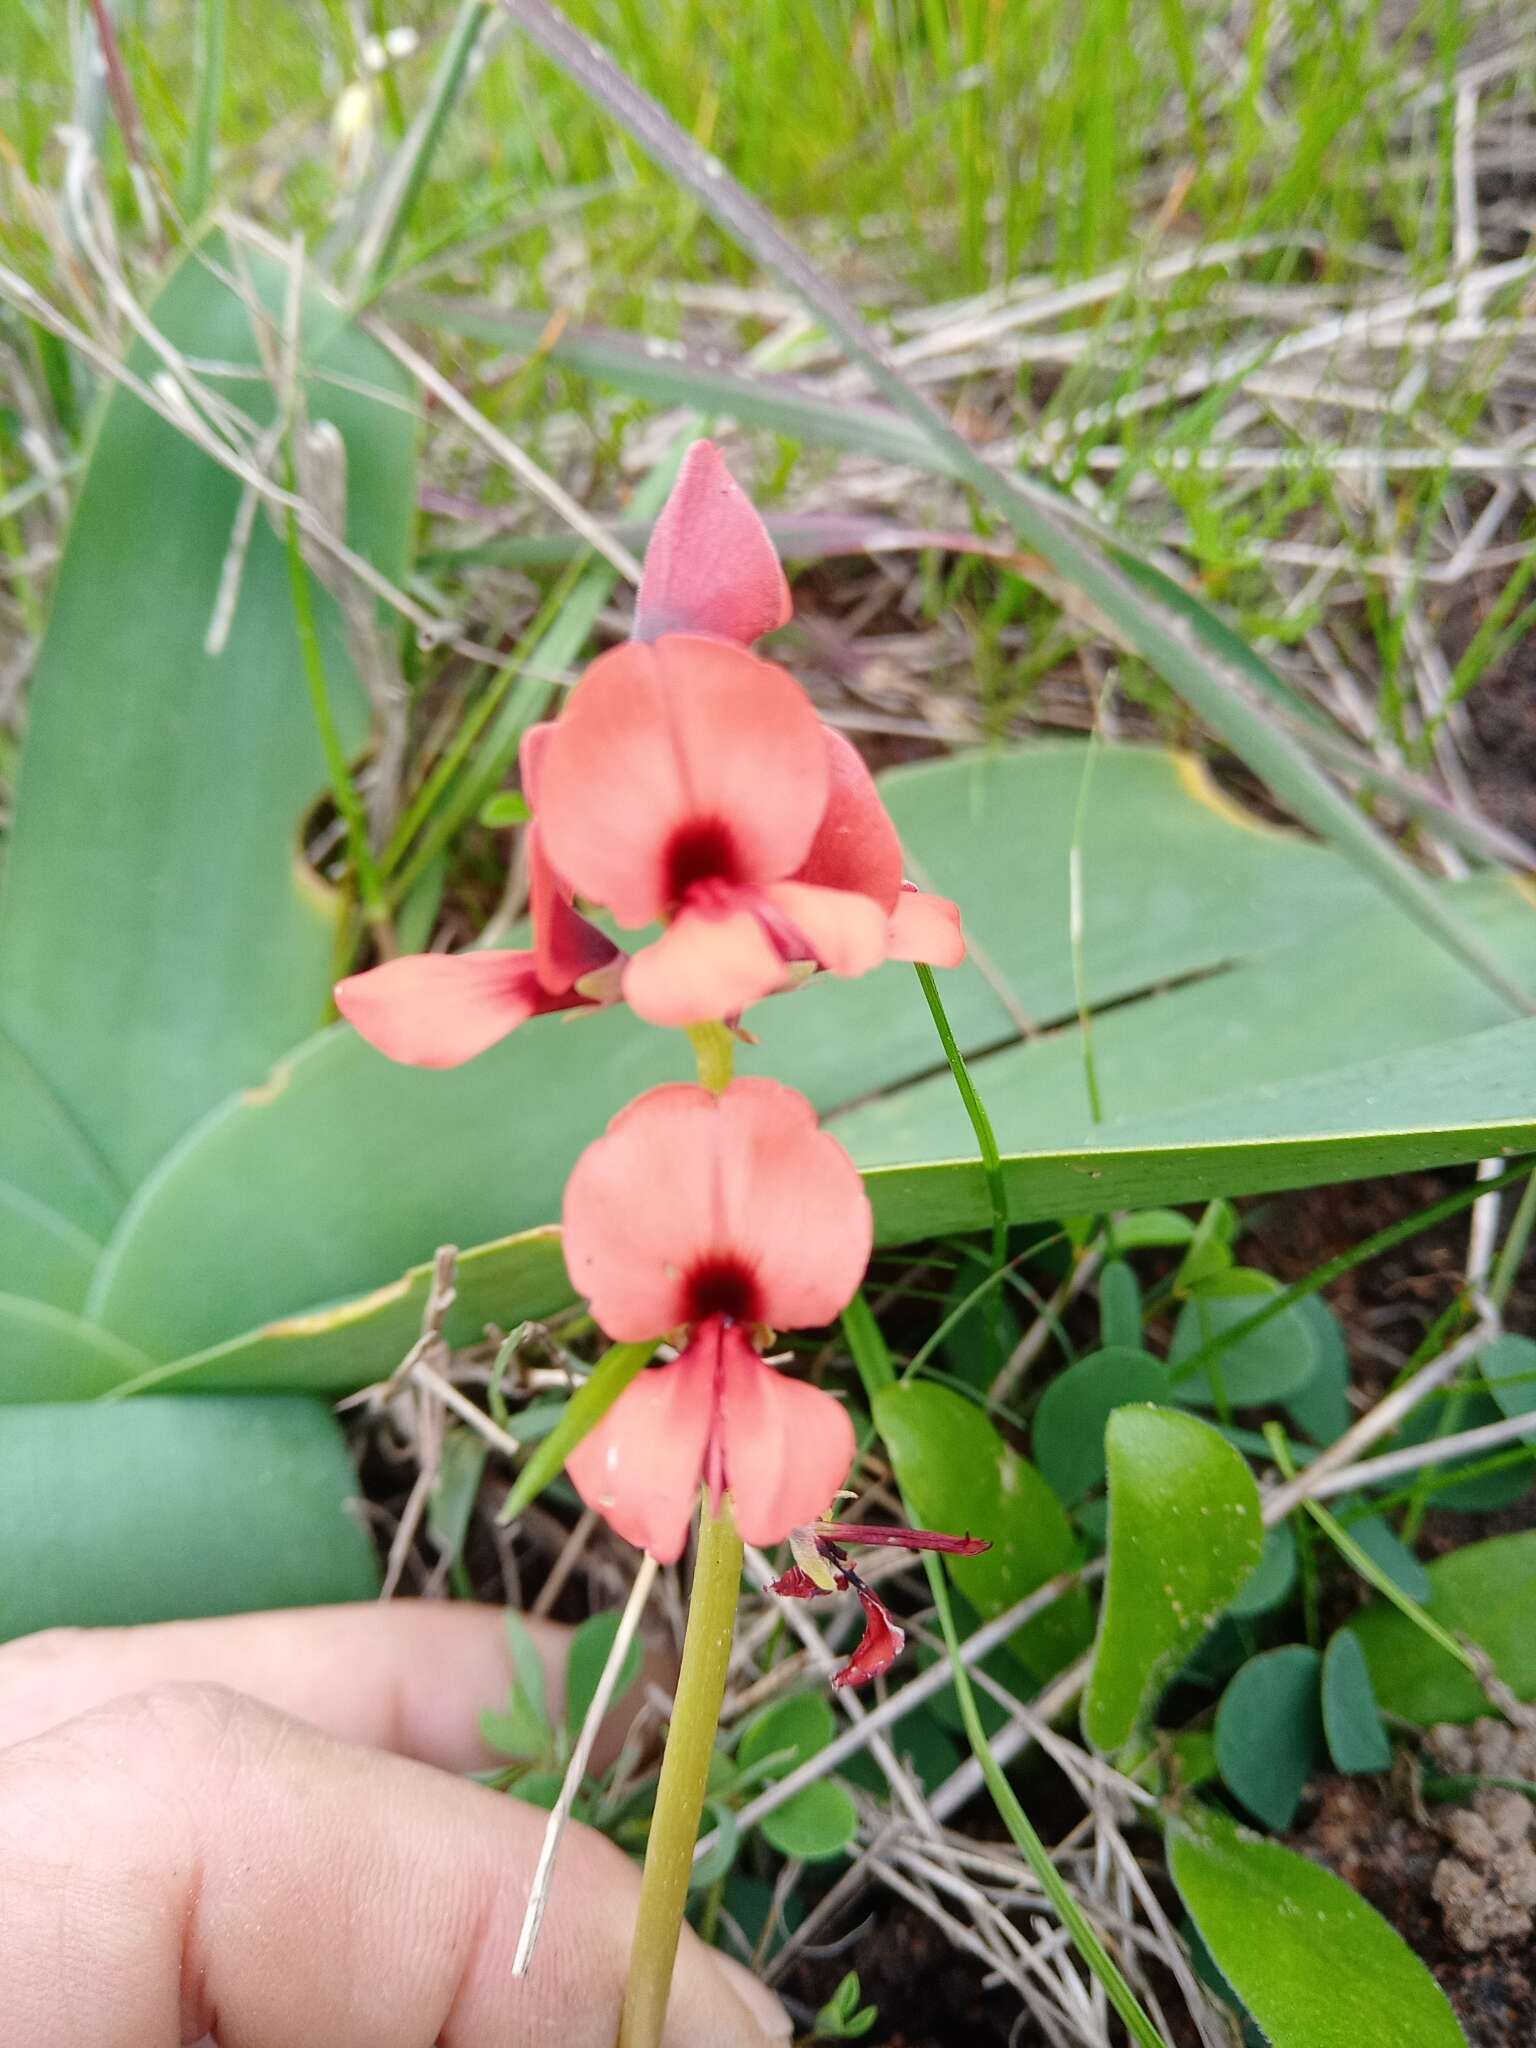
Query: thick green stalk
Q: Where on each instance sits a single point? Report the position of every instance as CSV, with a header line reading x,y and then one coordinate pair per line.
x,y
684,1779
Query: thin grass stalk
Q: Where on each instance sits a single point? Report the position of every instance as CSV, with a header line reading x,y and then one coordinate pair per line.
x,y
576,1770
1019,1826
976,1110
1360,1560
873,1360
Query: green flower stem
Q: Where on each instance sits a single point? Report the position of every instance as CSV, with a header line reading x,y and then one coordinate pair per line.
x,y
715,1050
684,1778
975,1109
986,1145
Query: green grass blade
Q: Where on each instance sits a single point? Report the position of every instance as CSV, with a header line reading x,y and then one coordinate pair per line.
x,y
408,172
786,406
866,1343
213,28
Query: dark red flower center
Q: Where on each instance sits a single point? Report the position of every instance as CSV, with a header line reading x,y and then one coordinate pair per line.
x,y
723,1287
702,850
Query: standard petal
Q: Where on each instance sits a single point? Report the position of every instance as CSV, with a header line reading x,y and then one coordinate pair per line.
x,y
641,1211
882,1644
703,968
676,762
785,1447
566,946
441,1009
845,931
710,567
642,1465
793,1207
925,928
856,846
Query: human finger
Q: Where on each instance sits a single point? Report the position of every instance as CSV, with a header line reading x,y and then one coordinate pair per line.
x,y
411,1676
187,1862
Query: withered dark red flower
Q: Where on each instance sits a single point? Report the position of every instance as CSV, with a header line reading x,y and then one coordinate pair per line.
x,y
822,1566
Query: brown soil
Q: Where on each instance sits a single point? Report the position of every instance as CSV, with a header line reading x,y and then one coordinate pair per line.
x,y
928,1993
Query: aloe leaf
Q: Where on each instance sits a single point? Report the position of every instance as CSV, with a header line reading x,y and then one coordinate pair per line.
x,y
161,940
346,1345
42,1253
171,1508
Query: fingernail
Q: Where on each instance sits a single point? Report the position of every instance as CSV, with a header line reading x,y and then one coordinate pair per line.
x,y
757,1998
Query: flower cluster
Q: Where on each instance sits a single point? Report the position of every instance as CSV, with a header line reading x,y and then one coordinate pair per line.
x,y
690,784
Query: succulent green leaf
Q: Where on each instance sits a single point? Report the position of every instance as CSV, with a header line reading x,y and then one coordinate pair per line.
x,y
1486,1593
173,1507
1068,1439
818,1823
164,943
1269,1732
1357,1738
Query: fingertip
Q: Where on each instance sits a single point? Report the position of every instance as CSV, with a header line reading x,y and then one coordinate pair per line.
x,y
715,1999
763,2008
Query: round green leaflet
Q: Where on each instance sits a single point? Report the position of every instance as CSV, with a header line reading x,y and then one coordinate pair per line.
x,y
1184,1534
1269,1732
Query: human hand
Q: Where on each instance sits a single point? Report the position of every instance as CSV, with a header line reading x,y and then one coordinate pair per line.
x,y
247,1830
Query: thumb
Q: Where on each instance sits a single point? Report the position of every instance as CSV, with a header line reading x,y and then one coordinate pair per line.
x,y
715,2000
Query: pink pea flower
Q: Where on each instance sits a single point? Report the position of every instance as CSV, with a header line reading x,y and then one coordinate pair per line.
x,y
719,1216
856,847
687,782
710,568
822,1566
